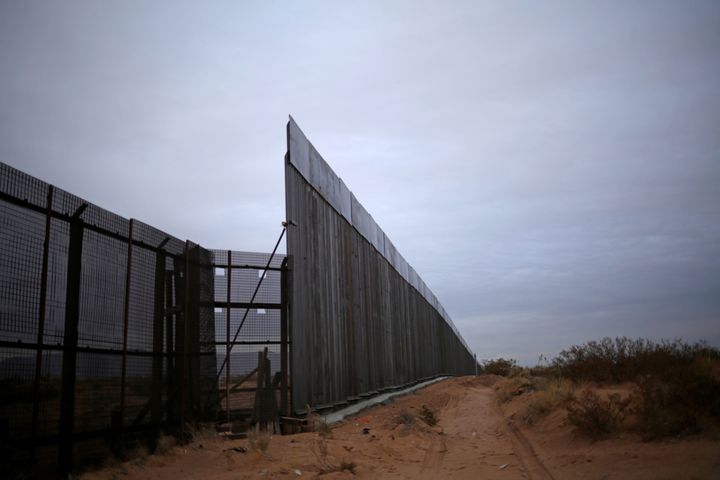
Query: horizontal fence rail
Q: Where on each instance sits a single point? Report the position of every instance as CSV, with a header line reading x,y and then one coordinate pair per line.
x,y
362,319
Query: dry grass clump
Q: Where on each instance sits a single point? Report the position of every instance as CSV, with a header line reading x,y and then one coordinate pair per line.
x,y
319,450
323,428
512,387
316,423
348,466
549,395
258,441
546,393
405,418
428,416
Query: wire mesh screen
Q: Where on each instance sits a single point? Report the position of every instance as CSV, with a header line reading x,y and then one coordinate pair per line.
x,y
107,327
254,321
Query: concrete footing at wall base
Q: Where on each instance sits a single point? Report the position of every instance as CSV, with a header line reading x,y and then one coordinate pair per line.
x,y
361,405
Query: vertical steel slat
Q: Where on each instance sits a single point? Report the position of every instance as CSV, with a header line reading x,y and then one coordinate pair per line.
x,y
283,340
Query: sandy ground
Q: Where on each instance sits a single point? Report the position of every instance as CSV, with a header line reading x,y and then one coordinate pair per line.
x,y
475,438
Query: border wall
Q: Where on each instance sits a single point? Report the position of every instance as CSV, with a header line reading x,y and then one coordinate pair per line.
x,y
106,328
362,319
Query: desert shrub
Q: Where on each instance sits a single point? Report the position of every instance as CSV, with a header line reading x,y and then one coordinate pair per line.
x,y
661,409
677,405
595,417
702,384
677,383
428,416
549,395
499,366
624,359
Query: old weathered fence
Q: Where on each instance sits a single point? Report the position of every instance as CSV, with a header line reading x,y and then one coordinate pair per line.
x,y
362,319
106,328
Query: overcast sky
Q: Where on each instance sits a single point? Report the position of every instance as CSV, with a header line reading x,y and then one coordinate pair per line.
x,y
551,169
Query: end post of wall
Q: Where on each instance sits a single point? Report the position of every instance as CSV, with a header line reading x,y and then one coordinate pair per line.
x,y
284,399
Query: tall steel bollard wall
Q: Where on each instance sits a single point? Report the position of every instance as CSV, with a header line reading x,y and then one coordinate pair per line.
x,y
362,319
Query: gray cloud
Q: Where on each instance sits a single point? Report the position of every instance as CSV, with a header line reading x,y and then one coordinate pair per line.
x,y
551,170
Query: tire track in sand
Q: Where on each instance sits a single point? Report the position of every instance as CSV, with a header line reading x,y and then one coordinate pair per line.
x,y
434,455
526,454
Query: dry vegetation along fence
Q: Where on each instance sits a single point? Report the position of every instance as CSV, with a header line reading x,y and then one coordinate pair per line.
x,y
675,386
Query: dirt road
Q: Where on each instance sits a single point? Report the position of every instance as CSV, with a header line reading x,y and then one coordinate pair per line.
x,y
473,439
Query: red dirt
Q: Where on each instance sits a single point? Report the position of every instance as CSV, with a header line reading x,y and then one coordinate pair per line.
x,y
475,438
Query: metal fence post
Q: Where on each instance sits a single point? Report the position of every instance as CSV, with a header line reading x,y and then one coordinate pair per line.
x,y
227,337
41,319
184,357
126,318
171,287
70,340
158,334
